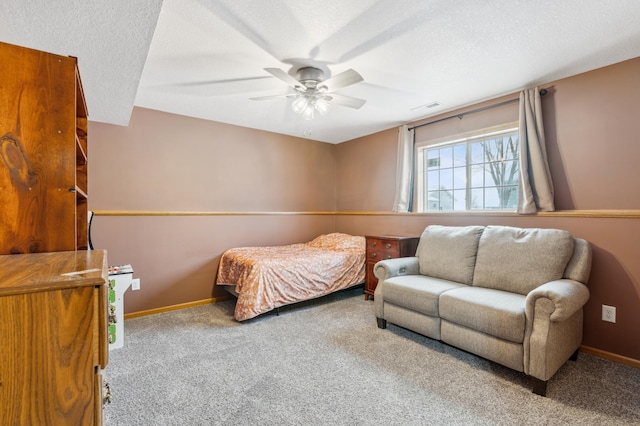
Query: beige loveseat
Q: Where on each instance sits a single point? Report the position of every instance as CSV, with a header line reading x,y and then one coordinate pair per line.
x,y
511,295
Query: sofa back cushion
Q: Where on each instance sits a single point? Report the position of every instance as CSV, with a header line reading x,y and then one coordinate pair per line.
x,y
449,252
518,260
579,267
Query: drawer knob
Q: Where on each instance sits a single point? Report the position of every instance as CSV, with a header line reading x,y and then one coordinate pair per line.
x,y
374,254
388,245
388,256
373,244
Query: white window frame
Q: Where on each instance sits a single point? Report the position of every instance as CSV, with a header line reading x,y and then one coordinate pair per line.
x,y
467,140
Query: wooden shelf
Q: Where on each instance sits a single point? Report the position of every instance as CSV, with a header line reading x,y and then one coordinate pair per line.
x,y
80,193
81,103
81,155
82,160
53,142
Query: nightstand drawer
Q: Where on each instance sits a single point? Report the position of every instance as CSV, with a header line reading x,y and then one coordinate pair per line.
x,y
380,255
390,246
383,248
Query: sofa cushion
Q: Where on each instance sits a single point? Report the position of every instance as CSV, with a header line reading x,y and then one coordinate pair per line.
x,y
449,252
579,266
416,292
502,351
494,312
518,260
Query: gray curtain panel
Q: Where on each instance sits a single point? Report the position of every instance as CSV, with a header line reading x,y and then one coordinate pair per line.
x,y
404,170
536,186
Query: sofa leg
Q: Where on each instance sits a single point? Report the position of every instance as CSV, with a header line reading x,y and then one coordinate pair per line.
x,y
539,386
382,323
574,356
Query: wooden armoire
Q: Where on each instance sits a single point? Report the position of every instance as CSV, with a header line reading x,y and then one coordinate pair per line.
x,y
43,153
53,291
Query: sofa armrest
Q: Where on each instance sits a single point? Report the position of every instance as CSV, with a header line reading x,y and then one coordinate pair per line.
x,y
554,326
567,297
393,267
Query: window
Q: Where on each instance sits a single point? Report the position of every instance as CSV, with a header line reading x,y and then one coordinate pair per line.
x,y
477,172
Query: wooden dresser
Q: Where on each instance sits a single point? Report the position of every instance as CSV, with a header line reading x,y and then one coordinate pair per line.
x,y
53,338
385,247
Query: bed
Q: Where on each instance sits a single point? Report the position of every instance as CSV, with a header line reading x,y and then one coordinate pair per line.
x,y
266,278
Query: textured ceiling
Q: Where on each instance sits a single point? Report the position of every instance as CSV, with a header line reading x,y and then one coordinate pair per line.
x,y
110,39
205,58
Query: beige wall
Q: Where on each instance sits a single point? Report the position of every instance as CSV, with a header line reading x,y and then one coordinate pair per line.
x,y
166,163
163,162
592,123
366,173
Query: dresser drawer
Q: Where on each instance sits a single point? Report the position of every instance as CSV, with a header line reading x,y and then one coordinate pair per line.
x,y
382,245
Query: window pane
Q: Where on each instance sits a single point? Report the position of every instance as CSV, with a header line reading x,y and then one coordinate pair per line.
x,y
433,200
477,153
477,199
446,157
491,198
511,147
510,197
446,200
477,176
433,158
433,180
460,155
492,150
446,180
460,199
511,176
460,178
492,175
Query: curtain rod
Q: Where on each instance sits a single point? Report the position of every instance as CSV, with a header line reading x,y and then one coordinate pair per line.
x,y
499,104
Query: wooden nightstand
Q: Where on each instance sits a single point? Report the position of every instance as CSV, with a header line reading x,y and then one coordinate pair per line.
x,y
385,247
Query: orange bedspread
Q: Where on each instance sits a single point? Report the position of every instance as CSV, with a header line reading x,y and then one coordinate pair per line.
x,y
269,277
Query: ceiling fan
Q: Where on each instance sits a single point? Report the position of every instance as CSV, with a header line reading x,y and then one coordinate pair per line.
x,y
313,92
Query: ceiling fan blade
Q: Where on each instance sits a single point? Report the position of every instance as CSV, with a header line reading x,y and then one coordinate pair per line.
x,y
219,82
344,79
347,101
270,97
278,73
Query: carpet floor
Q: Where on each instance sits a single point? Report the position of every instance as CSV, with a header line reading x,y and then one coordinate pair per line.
x,y
325,362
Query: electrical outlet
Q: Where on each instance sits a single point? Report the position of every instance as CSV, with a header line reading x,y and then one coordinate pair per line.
x,y
608,313
135,284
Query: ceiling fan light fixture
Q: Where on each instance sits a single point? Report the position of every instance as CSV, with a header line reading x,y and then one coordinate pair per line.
x,y
321,105
300,104
307,103
313,92
307,113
